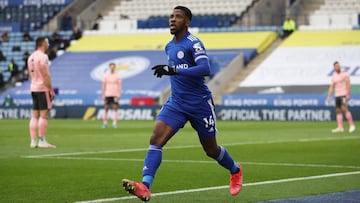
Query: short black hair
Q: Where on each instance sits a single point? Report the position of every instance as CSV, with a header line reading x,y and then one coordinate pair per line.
x,y
112,63
186,11
336,62
39,41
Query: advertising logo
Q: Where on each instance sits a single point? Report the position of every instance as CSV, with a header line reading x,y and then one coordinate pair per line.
x,y
125,67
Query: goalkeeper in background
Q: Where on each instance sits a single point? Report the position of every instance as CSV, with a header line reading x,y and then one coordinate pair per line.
x,y
341,82
190,100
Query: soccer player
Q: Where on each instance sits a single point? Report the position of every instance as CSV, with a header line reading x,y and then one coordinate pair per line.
x,y
42,93
190,100
341,82
111,91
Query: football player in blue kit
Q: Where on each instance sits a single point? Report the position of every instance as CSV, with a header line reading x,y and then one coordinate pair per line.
x,y
190,100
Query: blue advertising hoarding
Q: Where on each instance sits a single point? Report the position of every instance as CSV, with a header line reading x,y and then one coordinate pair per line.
x,y
78,76
233,113
287,100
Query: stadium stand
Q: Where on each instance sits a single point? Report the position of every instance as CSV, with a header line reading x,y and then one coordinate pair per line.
x,y
18,18
335,14
30,16
78,72
15,48
301,68
154,13
125,30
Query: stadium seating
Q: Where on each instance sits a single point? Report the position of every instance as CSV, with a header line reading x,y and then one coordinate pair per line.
x,y
154,13
15,40
335,14
301,68
78,72
31,17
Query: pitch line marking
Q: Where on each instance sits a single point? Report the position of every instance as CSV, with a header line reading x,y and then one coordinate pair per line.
x,y
210,162
226,186
196,146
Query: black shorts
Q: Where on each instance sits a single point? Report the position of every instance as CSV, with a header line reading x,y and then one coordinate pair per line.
x,y
41,100
111,100
340,101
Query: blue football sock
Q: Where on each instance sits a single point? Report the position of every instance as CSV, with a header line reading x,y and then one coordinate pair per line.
x,y
225,160
151,164
147,180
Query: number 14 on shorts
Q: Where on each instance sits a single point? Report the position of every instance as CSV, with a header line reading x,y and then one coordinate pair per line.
x,y
209,122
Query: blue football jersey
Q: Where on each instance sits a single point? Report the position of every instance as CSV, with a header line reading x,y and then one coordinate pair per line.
x,y
188,53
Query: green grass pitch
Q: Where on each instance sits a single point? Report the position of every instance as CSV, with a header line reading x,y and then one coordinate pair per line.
x,y
280,160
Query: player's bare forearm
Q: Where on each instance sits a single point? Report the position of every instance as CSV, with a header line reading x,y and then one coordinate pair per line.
x,y
47,78
348,93
103,88
348,87
331,88
47,82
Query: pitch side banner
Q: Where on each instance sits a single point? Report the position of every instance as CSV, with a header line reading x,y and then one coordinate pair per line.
x,y
288,100
230,113
276,114
288,66
83,112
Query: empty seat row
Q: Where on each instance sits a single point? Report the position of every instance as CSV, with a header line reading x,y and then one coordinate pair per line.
x,y
335,14
31,17
197,21
155,13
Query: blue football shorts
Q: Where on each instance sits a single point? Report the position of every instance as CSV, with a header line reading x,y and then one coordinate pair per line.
x,y
201,116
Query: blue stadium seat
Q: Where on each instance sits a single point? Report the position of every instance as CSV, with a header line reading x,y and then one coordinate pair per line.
x,y
158,22
31,17
202,21
196,21
143,24
209,21
6,76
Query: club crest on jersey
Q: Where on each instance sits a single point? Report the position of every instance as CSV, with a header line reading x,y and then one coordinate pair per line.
x,y
198,48
180,54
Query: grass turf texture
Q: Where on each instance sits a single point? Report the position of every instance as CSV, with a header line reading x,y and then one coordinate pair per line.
x,y
109,155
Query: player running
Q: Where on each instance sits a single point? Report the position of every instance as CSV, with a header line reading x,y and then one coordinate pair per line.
x,y
341,82
190,100
42,93
111,91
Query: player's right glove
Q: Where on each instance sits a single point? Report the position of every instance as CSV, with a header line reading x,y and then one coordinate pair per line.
x,y
160,70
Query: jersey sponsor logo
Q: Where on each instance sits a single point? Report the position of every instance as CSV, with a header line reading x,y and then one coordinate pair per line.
x,y
129,114
180,54
183,66
126,67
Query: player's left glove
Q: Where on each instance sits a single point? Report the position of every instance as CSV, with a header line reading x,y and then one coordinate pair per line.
x,y
160,70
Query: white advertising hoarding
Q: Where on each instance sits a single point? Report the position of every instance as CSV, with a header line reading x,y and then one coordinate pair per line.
x,y
288,66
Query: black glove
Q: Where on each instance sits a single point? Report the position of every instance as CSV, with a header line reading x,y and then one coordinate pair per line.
x,y
160,70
